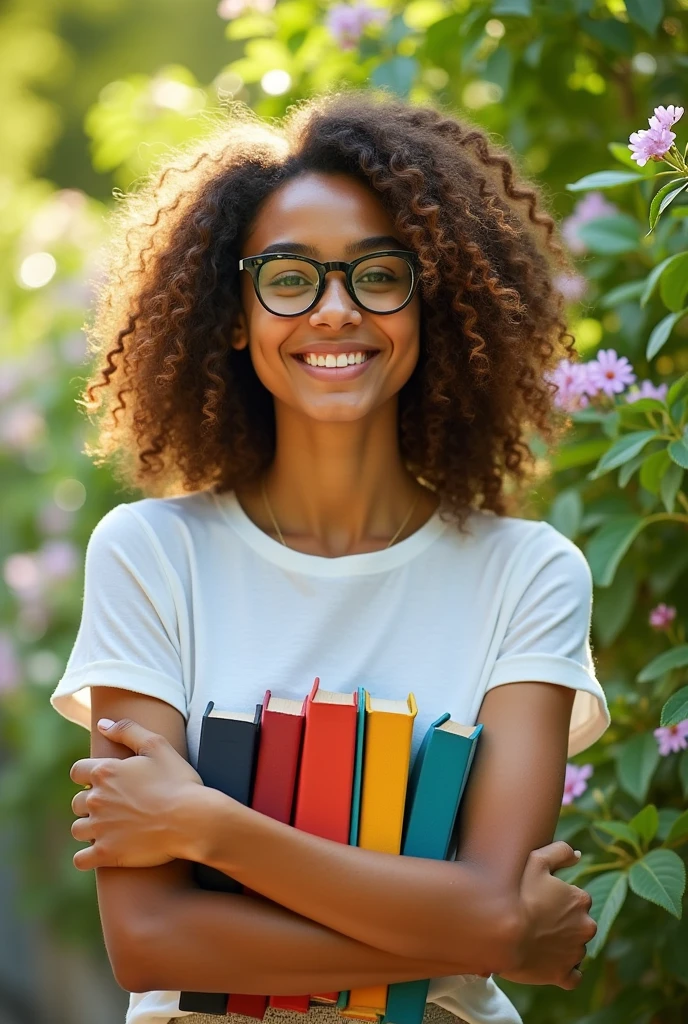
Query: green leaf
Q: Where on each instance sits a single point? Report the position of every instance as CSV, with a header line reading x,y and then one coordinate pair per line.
x,y
660,877
610,236
249,26
632,412
628,469
676,390
579,454
622,293
683,772
603,179
646,13
676,708
516,8
678,450
677,657
636,764
611,33
667,817
625,448
566,513
652,279
679,828
619,830
570,825
664,197
673,284
661,331
646,823
613,606
670,486
397,74
609,544
421,14
653,469
608,893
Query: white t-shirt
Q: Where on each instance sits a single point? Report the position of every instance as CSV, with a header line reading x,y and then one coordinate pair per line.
x,y
187,600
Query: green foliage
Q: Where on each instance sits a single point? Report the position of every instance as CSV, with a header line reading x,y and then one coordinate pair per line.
x,y
562,84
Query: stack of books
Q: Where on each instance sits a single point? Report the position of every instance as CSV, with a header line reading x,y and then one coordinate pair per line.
x,y
337,765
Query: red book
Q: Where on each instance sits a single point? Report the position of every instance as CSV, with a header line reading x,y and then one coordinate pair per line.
x,y
281,734
324,788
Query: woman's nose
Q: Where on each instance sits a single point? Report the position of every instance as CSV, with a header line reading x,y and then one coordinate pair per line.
x,y
336,307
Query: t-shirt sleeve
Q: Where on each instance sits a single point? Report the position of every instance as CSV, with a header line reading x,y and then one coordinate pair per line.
x,y
128,635
547,638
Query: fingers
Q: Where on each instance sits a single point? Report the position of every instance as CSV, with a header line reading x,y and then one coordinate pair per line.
x,y
82,830
80,772
79,803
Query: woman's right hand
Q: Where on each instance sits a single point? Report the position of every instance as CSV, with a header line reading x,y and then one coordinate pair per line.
x,y
554,922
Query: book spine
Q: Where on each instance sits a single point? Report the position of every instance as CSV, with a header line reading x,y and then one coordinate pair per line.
x,y
226,762
438,785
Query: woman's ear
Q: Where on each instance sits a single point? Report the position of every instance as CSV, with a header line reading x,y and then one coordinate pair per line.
x,y
239,335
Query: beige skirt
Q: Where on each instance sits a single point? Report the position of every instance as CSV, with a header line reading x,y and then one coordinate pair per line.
x,y
434,1014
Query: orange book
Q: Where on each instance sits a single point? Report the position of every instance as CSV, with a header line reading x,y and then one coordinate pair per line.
x,y
325,783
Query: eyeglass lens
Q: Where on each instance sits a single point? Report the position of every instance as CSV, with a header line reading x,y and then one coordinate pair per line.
x,y
381,284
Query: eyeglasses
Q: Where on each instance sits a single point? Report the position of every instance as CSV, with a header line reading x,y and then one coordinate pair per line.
x,y
288,285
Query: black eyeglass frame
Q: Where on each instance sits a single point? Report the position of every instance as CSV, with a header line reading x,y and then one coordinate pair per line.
x,y
253,264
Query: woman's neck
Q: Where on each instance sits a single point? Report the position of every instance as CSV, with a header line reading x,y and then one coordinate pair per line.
x,y
338,488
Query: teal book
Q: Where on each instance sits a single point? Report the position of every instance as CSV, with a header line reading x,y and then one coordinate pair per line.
x,y
436,785
356,796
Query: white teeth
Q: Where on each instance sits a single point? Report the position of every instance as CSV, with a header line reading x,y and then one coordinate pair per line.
x,y
332,361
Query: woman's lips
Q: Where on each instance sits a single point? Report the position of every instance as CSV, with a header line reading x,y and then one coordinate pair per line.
x,y
336,372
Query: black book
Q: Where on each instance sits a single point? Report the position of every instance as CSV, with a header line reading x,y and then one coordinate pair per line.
x,y
227,755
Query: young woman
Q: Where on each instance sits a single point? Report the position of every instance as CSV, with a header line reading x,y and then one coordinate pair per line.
x,y
324,346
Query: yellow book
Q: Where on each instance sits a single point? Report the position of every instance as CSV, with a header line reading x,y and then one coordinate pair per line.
x,y
387,753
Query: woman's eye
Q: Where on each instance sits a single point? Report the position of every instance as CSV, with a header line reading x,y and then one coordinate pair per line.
x,y
375,277
289,280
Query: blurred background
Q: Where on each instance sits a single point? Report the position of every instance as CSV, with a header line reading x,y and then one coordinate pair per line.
x,y
93,92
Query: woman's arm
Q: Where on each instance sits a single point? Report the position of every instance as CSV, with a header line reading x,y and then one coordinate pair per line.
x,y
409,906
162,932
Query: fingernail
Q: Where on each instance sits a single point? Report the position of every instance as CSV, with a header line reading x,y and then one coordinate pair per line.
x,y
105,723
576,853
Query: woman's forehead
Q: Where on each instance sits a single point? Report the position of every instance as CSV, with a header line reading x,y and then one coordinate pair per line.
x,y
325,211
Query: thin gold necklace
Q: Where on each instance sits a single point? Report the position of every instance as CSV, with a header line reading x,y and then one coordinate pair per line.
x,y
283,541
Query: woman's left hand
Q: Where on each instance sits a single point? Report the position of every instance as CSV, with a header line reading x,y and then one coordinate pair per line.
x,y
133,811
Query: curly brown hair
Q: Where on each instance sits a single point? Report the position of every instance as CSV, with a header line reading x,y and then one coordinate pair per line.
x,y
181,410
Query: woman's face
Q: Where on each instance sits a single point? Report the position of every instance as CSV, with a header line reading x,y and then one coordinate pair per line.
x,y
329,214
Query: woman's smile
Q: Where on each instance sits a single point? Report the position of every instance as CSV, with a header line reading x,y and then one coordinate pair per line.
x,y
330,366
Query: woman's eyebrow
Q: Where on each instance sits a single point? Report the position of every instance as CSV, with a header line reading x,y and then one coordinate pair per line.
x,y
352,249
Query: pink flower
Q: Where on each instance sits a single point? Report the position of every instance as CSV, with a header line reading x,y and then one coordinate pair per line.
x,y
672,738
347,22
571,380
664,117
662,616
646,389
21,425
58,559
655,142
590,207
571,286
650,144
574,783
610,372
50,518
